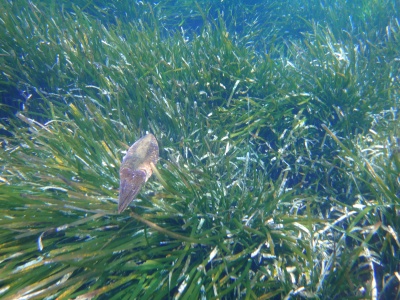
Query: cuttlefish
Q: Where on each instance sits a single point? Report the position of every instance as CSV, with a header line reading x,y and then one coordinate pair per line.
x,y
136,169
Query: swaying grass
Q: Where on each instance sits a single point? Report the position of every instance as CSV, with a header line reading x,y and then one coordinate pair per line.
x,y
279,170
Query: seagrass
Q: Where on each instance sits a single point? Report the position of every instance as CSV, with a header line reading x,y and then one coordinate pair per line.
x,y
277,136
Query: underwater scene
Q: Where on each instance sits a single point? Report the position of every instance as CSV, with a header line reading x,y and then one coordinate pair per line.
x,y
199,149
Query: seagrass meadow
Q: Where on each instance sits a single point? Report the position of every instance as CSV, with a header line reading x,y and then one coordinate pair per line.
x,y
278,129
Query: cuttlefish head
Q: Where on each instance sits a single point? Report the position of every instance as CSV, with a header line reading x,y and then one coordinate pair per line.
x,y
136,169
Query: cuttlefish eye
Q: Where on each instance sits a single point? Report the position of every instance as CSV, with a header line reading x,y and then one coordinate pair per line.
x,y
136,169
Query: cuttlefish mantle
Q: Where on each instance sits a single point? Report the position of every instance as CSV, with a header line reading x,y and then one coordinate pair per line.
x,y
136,169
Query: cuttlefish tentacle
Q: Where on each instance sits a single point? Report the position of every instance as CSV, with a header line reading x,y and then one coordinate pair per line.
x,y
136,169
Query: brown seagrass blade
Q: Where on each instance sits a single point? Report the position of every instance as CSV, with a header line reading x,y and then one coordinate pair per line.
x,y
136,169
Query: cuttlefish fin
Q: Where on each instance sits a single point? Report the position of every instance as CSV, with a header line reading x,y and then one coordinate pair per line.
x,y
131,183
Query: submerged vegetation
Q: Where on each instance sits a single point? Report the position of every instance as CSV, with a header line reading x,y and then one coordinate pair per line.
x,y
279,171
